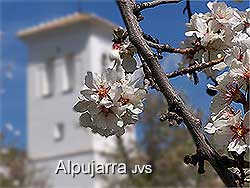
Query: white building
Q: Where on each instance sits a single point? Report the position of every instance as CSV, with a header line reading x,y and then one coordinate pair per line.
x,y
60,53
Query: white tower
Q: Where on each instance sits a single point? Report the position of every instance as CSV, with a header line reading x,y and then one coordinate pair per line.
x,y
60,53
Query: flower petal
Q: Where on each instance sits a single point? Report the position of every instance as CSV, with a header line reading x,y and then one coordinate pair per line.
x,y
210,128
129,64
85,120
81,106
89,80
235,146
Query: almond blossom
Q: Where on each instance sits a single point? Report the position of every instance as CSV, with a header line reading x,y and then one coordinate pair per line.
x,y
240,69
222,14
205,31
123,52
230,129
243,24
109,102
229,90
217,32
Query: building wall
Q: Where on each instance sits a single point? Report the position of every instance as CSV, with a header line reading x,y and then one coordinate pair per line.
x,y
88,42
45,112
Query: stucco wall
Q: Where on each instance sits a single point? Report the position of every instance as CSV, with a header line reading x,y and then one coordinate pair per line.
x,y
87,42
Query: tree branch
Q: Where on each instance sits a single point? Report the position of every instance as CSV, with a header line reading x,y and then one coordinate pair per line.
x,y
152,4
169,49
196,67
188,9
233,163
148,75
193,124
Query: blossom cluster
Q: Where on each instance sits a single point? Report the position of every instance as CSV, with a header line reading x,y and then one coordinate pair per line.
x,y
215,33
224,32
113,100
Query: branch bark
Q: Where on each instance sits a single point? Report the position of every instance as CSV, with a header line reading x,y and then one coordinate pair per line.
x,y
193,124
194,68
152,4
188,9
169,49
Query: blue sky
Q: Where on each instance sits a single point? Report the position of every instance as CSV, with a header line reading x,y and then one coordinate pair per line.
x,y
167,23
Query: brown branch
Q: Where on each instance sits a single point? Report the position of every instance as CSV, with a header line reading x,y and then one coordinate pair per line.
x,y
193,68
193,124
152,4
148,78
233,163
172,118
188,9
169,49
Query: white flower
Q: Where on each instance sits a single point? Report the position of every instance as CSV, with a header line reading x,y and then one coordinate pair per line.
x,y
131,97
243,24
240,69
103,118
214,29
229,91
238,63
99,86
235,57
236,146
229,128
197,26
107,115
110,103
205,31
225,16
242,40
220,120
223,32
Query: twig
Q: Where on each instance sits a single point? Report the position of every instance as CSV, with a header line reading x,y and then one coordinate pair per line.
x,y
188,9
152,4
194,160
148,75
172,117
169,49
150,38
193,68
189,12
193,123
233,163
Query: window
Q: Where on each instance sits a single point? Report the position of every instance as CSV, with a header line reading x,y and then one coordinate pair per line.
x,y
58,133
37,84
46,78
104,61
68,74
